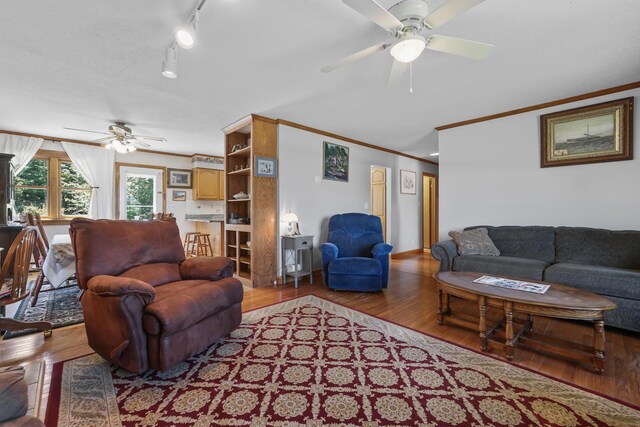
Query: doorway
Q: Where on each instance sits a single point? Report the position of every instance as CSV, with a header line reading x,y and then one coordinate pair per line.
x,y
140,191
429,210
380,194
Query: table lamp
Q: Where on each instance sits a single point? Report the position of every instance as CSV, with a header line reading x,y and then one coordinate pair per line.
x,y
292,219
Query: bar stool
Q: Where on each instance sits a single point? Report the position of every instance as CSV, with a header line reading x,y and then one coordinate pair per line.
x,y
190,244
203,245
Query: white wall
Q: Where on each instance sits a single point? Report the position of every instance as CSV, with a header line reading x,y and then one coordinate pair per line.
x,y
178,208
490,174
302,190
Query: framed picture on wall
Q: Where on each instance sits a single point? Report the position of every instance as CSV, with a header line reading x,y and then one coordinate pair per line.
x,y
178,178
265,167
179,195
335,162
407,182
596,133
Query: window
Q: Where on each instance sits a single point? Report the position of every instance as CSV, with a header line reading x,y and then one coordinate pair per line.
x,y
53,187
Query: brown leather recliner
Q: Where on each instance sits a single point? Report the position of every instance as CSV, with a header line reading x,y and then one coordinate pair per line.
x,y
144,305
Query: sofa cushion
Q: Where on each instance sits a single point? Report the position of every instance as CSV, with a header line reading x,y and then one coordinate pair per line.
x,y
154,274
533,242
474,242
615,282
356,266
523,268
594,246
178,305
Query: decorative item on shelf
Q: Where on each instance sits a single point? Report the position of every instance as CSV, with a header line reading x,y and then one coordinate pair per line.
x,y
591,134
248,243
178,178
265,167
241,196
292,220
335,166
233,218
179,196
244,220
407,182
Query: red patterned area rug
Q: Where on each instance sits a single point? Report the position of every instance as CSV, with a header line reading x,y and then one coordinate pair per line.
x,y
311,362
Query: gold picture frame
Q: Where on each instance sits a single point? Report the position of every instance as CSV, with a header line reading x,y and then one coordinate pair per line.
x,y
592,134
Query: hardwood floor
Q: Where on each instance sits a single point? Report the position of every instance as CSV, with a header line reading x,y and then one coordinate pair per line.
x,y
411,301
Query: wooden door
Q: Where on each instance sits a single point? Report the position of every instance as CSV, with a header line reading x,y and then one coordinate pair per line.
x,y
379,196
207,184
430,211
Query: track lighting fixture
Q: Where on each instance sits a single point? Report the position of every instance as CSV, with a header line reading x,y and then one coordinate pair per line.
x,y
170,63
186,35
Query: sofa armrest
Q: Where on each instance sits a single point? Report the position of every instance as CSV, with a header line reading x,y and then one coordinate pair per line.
x,y
104,285
13,393
381,249
445,251
206,268
329,252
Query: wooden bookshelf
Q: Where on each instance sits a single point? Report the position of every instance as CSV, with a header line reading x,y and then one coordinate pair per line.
x,y
244,140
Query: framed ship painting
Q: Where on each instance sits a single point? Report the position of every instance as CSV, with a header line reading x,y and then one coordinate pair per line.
x,y
596,133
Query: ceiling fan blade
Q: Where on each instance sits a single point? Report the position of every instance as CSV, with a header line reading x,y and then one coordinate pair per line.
x,y
150,138
85,130
461,47
398,70
448,11
139,143
372,10
105,139
354,57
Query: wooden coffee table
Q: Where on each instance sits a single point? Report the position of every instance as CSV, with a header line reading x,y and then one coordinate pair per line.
x,y
560,302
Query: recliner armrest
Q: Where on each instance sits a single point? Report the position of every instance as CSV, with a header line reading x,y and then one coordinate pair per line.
x,y
104,285
381,249
206,268
329,252
445,251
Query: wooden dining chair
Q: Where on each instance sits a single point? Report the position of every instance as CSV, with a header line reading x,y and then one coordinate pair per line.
x,y
14,283
40,251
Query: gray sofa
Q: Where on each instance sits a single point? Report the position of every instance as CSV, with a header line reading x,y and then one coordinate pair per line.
x,y
601,261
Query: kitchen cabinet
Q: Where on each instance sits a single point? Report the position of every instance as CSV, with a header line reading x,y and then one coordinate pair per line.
x,y
208,184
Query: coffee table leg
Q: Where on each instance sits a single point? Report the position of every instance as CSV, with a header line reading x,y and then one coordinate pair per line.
x,y
529,322
440,316
598,346
482,305
508,315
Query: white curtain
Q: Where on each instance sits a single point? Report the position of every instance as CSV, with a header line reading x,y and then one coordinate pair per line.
x,y
22,147
96,166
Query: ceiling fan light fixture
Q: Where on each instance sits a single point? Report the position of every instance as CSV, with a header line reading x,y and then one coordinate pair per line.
x,y
408,48
170,63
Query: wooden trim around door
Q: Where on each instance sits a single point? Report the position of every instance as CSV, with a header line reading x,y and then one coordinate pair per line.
x,y
436,208
576,98
138,165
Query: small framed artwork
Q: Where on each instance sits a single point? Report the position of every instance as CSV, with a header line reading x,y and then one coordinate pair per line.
x,y
592,134
265,167
179,195
178,178
335,165
407,182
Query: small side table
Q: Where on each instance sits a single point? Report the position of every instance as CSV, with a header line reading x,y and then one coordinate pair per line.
x,y
297,244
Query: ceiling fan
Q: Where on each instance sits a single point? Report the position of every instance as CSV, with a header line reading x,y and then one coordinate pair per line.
x,y
121,138
409,23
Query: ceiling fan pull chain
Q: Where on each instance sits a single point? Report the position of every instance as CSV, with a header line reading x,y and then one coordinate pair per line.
x,y
411,77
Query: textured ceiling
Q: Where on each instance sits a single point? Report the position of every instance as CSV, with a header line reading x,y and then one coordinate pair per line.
x,y
85,63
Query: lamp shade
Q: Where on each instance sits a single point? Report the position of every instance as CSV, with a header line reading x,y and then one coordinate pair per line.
x,y
290,217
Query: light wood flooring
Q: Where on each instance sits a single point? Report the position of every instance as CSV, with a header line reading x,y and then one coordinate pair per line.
x,y
411,301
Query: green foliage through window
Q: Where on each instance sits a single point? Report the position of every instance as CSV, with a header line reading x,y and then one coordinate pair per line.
x,y
140,197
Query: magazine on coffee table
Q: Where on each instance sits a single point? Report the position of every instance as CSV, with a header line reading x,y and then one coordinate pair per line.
x,y
518,285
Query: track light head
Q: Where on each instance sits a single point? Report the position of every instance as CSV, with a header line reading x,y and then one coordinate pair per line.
x,y
186,36
170,63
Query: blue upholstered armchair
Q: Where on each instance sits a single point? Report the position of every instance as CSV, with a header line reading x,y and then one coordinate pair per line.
x,y
355,257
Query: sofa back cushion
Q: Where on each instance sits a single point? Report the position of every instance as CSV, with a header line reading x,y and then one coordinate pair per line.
x,y
112,247
532,242
595,246
355,234
155,274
